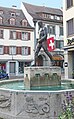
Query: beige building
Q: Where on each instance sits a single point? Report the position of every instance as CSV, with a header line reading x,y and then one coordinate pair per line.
x,y
16,41
68,19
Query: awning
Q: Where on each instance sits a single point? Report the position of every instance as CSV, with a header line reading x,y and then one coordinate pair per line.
x,y
58,57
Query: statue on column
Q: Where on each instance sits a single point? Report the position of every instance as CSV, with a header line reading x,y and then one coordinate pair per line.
x,y
42,41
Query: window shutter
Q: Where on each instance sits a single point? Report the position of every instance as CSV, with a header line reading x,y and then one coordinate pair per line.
x,y
6,49
18,35
11,34
18,50
29,50
28,36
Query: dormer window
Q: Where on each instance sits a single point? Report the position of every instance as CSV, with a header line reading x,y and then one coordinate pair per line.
x,y
12,14
24,22
12,21
52,17
1,20
58,18
1,12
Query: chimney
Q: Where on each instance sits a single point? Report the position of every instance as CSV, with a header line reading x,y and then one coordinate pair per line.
x,y
14,6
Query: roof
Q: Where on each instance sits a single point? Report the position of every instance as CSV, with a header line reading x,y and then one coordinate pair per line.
x,y
19,16
34,10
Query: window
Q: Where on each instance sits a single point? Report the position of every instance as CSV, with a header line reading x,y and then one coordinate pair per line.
x,y
1,20
58,17
61,30
59,44
1,33
52,17
25,50
12,21
51,29
13,14
1,50
1,12
21,67
45,15
12,50
12,34
24,22
70,26
25,36
69,3
61,18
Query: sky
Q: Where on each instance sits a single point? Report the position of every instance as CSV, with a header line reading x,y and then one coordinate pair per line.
x,y
47,3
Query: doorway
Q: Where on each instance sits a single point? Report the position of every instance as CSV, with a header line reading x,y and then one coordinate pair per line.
x,y
39,61
12,68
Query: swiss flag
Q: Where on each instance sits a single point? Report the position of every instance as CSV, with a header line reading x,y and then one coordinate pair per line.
x,y
50,44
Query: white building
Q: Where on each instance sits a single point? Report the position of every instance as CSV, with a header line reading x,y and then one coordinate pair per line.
x,y
68,20
16,41
53,19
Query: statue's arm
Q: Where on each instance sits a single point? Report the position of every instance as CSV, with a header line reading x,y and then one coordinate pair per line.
x,y
43,38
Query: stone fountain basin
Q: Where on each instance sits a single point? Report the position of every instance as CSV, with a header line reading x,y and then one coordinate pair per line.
x,y
30,104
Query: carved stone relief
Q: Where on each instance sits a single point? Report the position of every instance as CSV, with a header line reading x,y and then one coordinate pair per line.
x,y
5,101
37,108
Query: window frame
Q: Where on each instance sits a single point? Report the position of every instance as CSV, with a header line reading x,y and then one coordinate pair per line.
x,y
70,27
1,33
61,30
25,36
11,50
59,44
12,34
13,14
1,48
69,3
24,22
51,29
12,21
1,20
25,50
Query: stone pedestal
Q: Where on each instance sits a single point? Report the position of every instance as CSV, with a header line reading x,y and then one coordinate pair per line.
x,y
41,76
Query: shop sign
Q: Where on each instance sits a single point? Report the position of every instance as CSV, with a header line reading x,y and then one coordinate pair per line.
x,y
70,41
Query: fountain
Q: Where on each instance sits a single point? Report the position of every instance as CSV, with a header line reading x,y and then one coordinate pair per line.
x,y
39,95
20,101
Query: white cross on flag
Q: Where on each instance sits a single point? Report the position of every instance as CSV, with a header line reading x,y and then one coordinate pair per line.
x,y
50,44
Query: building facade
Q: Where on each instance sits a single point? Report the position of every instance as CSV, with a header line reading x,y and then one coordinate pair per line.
x,y
16,41
53,19
68,20
19,33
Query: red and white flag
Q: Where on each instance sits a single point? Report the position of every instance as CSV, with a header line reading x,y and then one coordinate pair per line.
x,y
50,44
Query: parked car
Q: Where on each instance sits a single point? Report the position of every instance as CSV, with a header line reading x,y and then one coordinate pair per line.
x,y
3,75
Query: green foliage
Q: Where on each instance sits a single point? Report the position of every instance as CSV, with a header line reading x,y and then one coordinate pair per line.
x,y
68,107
